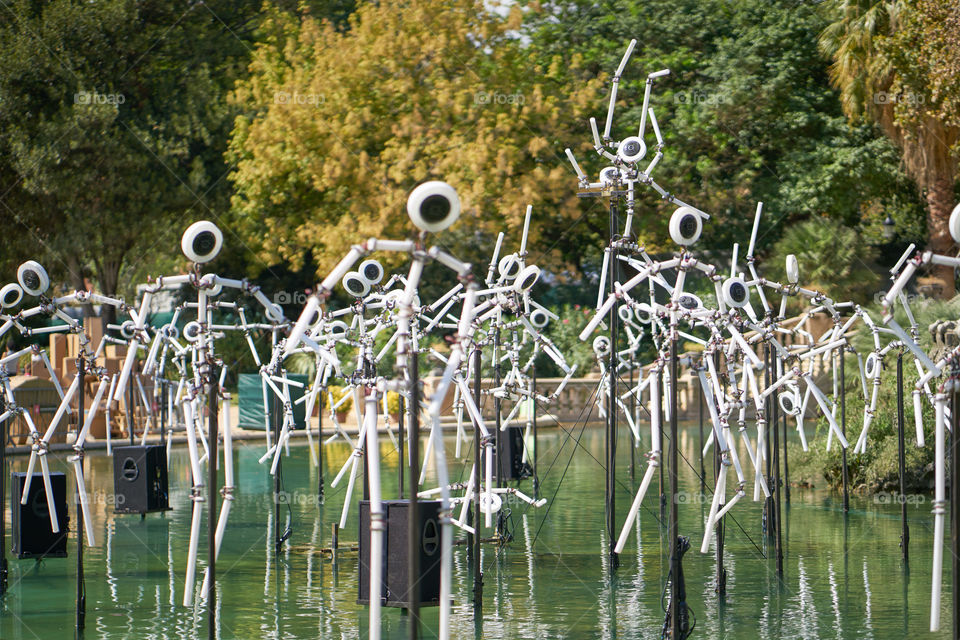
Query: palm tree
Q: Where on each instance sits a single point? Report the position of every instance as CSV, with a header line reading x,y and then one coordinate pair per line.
x,y
865,39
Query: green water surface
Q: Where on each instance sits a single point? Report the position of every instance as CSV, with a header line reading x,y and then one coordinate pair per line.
x,y
843,575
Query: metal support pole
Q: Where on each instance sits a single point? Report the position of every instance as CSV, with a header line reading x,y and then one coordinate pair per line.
x,y
413,534
276,415
320,449
786,466
3,497
673,534
633,413
162,410
611,440
901,463
721,578
954,507
81,587
131,400
775,423
843,424
768,514
498,459
533,410
212,435
400,437
478,474
662,497
703,472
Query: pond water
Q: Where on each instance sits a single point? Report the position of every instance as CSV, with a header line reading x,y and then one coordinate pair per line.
x,y
843,576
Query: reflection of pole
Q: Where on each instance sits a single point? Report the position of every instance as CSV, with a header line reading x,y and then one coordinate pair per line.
x,y
212,435
901,463
477,474
3,496
611,479
413,534
81,589
843,423
673,533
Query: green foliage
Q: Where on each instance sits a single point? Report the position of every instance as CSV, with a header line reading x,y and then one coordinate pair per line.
x,y
895,63
337,393
112,125
876,469
302,363
832,257
393,403
564,334
338,126
747,113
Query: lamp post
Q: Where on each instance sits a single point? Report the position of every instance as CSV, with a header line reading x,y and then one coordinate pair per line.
x,y
889,228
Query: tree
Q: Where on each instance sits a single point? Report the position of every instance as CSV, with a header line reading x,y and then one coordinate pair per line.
x,y
747,113
339,126
832,259
112,127
895,62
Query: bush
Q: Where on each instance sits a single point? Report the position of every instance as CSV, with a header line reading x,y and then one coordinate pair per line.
x,y
338,393
876,469
393,403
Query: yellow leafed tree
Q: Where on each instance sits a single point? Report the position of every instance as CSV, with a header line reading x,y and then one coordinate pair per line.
x,y
339,126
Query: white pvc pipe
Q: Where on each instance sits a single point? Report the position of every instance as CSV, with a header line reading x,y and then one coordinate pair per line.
x,y
940,496
376,514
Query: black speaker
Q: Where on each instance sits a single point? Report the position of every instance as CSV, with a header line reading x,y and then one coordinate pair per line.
x,y
32,535
140,479
509,463
396,550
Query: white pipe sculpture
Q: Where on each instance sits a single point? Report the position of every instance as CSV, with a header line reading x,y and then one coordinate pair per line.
x,y
945,372
194,365
34,281
432,206
733,328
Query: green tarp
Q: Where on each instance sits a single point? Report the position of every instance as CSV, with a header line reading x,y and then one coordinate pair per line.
x,y
250,395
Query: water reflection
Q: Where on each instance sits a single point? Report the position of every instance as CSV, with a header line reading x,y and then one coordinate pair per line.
x,y
843,578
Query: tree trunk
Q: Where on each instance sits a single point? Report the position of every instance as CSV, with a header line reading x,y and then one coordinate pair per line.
x,y
108,272
939,205
78,280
